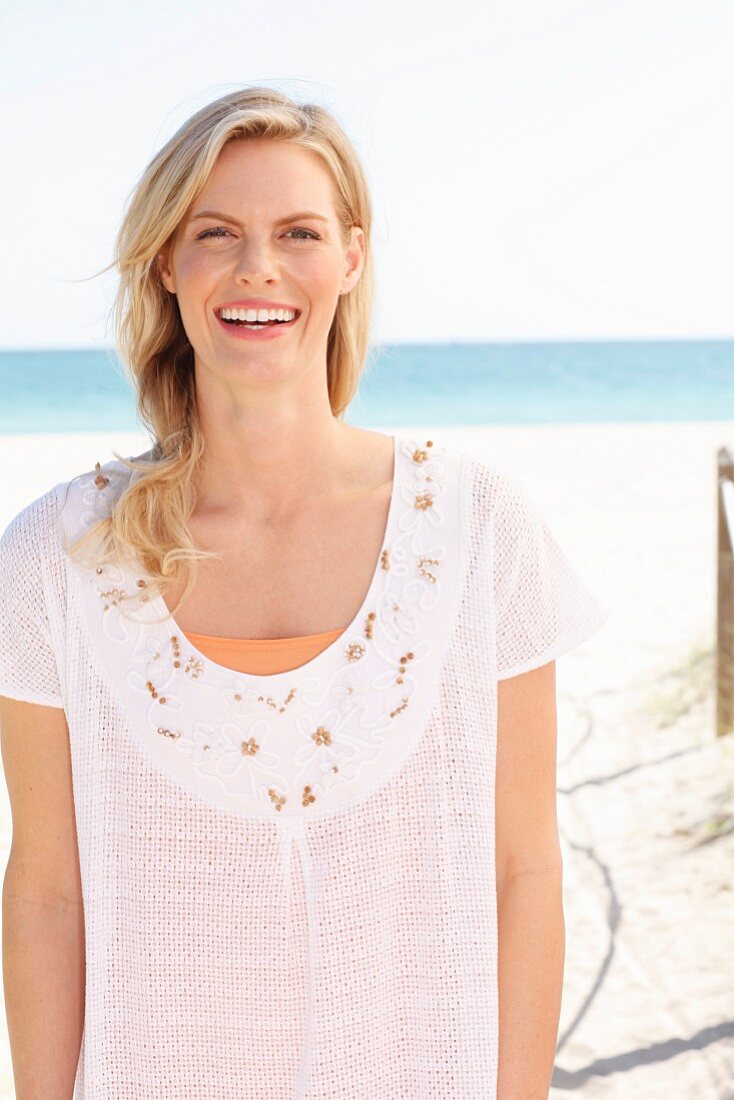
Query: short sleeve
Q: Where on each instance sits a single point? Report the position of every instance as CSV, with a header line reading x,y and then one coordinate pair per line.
x,y
29,614
543,608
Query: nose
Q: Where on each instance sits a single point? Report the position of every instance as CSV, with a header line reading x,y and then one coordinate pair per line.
x,y
255,262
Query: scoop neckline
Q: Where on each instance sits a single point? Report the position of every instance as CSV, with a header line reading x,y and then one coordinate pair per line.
x,y
158,605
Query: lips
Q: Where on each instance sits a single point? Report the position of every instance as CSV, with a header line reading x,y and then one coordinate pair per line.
x,y
270,321
264,332
255,303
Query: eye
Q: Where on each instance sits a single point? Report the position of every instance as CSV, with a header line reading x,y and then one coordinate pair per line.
x,y
219,231
299,229
212,232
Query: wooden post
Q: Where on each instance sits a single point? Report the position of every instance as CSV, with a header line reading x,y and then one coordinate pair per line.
x,y
725,595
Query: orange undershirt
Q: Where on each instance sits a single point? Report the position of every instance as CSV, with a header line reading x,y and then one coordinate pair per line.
x,y
263,656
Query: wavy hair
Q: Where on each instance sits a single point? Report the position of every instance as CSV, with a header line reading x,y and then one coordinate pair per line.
x,y
148,522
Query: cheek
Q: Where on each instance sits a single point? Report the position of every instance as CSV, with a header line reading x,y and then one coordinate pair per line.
x,y
195,267
322,278
195,282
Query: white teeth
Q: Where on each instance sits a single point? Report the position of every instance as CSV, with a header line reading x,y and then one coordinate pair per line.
x,y
257,314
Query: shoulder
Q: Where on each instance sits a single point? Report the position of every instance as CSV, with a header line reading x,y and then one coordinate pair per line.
x,y
438,454
90,496
31,529
41,526
494,492
31,557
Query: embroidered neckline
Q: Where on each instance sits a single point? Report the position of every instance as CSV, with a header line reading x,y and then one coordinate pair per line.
x,y
360,620
300,742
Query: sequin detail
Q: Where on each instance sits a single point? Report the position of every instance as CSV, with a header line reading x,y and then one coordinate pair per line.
x,y
300,744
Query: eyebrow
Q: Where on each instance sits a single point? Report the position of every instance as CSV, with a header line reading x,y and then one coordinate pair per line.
x,y
280,221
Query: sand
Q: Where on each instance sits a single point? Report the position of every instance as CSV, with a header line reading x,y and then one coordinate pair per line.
x,y
645,788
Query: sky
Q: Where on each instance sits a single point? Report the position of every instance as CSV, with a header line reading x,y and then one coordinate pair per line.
x,y
539,170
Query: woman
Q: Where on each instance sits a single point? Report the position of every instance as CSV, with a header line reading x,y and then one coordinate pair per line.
x,y
278,851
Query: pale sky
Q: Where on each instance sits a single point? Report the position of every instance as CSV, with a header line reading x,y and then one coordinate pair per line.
x,y
540,169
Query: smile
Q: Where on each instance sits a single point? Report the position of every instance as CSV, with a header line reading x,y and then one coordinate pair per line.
x,y
269,327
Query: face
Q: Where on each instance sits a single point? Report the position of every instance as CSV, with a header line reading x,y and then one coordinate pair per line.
x,y
271,233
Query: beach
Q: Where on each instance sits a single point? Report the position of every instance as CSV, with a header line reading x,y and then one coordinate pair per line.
x,y
645,788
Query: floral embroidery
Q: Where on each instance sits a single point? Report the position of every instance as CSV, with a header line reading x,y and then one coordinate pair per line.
x,y
303,741
425,572
100,480
193,668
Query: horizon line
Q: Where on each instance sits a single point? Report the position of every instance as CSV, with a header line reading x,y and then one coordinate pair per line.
x,y
433,343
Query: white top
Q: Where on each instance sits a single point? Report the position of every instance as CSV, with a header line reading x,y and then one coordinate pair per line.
x,y
288,879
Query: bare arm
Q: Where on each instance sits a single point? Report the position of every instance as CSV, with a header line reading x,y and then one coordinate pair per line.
x,y
529,885
42,911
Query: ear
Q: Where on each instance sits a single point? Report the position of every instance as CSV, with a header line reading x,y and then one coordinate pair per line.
x,y
164,270
354,260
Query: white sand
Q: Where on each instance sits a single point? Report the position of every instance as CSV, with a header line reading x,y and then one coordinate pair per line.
x,y
646,791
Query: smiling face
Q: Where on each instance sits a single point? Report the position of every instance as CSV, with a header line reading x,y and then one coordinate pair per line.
x,y
270,232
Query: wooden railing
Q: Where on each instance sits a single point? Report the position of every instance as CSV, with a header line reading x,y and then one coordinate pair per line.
x,y
725,595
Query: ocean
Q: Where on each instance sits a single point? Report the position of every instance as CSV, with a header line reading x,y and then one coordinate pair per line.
x,y
454,383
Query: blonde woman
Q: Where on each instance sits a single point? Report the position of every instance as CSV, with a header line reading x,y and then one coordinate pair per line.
x,y
278,696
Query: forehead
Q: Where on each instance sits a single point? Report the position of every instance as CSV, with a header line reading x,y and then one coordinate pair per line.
x,y
264,176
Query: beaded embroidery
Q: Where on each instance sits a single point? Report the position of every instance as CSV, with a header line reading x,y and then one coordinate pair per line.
x,y
295,742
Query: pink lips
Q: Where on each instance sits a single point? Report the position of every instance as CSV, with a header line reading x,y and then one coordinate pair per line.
x,y
255,303
268,332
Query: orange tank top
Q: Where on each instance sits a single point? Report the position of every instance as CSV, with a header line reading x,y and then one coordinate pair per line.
x,y
263,656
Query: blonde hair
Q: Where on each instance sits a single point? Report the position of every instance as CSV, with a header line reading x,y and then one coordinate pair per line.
x,y
148,523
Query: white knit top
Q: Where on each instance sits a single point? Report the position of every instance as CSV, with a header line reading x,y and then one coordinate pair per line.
x,y
288,879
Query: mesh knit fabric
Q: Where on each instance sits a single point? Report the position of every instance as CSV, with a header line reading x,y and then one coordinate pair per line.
x,y
288,880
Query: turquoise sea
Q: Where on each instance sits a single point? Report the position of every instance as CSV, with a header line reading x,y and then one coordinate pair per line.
x,y
493,383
